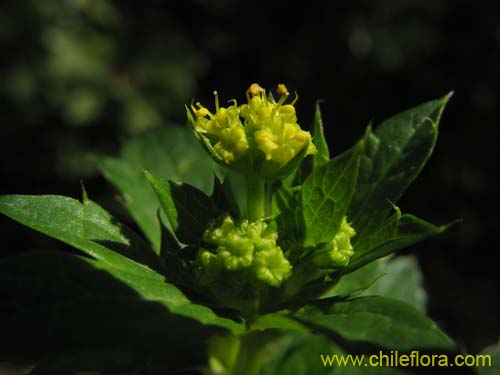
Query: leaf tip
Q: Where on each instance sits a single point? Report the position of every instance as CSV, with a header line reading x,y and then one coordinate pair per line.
x,y
442,104
447,97
445,227
85,196
148,175
318,102
395,208
437,109
189,115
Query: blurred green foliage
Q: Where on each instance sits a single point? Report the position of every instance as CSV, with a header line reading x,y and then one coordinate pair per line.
x,y
82,64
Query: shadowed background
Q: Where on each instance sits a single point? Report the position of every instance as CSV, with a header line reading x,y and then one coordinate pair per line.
x,y
80,76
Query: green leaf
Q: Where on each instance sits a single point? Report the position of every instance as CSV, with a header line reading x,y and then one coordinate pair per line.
x,y
188,209
170,152
379,322
223,197
395,233
290,221
359,281
392,157
75,302
402,279
176,268
299,354
321,157
399,278
86,227
306,354
278,320
138,196
326,195
173,153
491,358
100,227
323,154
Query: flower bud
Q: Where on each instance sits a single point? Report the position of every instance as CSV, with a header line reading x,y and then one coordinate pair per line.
x,y
249,247
337,252
271,266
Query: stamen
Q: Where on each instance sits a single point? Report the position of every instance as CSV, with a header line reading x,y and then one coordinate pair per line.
x,y
216,94
295,99
193,108
282,90
202,111
255,89
283,98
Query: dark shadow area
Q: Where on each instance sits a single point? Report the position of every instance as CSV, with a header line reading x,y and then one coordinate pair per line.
x,y
59,309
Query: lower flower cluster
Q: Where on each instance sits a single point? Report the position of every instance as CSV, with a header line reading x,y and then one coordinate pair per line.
x,y
246,246
240,260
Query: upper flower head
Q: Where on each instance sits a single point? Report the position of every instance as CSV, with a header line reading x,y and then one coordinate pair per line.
x,y
274,124
263,132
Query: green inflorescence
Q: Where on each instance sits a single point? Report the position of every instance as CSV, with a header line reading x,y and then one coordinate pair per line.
x,y
337,252
240,262
249,247
263,131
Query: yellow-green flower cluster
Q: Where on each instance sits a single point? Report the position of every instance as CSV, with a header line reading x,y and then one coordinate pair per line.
x,y
261,129
275,129
249,247
224,129
338,252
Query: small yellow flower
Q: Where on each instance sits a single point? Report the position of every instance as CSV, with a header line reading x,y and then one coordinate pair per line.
x,y
263,128
281,141
232,143
276,131
224,129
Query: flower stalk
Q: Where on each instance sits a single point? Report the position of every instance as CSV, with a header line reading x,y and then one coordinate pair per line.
x,y
238,355
257,202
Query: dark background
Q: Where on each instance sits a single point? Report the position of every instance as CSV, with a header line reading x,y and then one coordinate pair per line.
x,y
80,76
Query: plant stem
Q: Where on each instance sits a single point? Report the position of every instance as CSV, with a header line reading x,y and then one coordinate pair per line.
x,y
253,347
239,355
249,358
256,197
